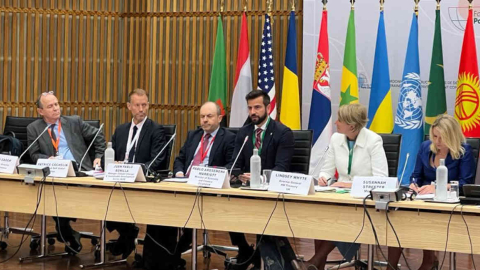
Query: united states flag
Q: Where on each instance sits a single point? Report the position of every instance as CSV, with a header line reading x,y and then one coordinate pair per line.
x,y
266,78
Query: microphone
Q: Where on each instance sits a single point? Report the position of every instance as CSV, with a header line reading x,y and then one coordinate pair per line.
x,y
88,149
30,146
320,160
161,151
238,155
404,167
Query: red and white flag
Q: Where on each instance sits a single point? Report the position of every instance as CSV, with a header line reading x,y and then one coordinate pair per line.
x,y
243,79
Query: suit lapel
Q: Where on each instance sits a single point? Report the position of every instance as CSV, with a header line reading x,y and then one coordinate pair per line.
x,y
268,138
123,140
144,130
67,131
46,138
216,143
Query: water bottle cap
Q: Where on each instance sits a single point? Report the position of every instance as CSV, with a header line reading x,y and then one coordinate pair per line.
x,y
442,162
255,151
109,145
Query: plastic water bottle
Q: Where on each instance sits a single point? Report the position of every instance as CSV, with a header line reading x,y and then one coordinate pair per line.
x,y
442,180
255,170
109,155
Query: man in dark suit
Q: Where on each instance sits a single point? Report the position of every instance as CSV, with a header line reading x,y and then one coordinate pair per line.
x,y
275,145
67,138
138,141
211,145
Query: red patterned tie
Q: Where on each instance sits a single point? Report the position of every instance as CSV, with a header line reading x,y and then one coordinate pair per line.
x,y
197,159
258,138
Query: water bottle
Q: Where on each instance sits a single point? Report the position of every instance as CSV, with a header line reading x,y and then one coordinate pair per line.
x,y
109,155
442,181
255,170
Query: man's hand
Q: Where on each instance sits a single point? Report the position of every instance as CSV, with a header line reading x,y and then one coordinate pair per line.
x,y
96,162
427,189
244,177
179,174
342,185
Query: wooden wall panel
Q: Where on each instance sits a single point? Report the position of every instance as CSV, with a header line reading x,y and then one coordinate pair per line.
x,y
92,53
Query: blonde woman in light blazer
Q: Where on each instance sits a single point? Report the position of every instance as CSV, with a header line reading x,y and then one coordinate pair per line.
x,y
353,151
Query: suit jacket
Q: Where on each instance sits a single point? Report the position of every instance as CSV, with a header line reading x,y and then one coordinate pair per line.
x,y
277,148
368,159
78,135
150,141
462,169
220,155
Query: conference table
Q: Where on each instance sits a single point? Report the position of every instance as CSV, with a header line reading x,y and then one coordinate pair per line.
x,y
328,216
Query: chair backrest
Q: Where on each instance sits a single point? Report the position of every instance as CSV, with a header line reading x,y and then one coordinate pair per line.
x,y
96,124
16,126
475,144
303,148
391,145
234,130
169,131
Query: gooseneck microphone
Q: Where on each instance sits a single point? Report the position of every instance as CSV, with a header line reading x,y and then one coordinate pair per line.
x,y
161,151
404,167
239,152
36,139
88,149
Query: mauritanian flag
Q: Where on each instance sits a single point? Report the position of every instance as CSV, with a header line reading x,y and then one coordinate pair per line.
x,y
436,100
380,112
467,110
243,79
290,104
218,79
349,85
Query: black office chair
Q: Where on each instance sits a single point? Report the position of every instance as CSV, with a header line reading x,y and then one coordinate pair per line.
x,y
165,165
16,127
303,149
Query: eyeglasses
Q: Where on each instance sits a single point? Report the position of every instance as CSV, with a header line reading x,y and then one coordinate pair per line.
x,y
47,93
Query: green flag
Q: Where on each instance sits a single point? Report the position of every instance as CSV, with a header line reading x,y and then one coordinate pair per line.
x,y
349,84
218,80
436,100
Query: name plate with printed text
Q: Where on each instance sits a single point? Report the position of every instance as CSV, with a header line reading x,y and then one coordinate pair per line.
x,y
293,183
209,177
128,173
8,164
361,185
58,167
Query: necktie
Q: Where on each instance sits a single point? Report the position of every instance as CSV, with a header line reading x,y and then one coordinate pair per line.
x,y
132,150
258,138
197,159
54,137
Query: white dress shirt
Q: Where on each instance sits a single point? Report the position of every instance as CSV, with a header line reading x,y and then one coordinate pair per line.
x,y
131,143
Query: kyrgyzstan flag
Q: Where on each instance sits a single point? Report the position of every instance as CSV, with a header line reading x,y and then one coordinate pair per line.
x,y
467,103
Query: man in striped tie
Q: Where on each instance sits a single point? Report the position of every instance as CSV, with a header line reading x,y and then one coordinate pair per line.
x,y
275,145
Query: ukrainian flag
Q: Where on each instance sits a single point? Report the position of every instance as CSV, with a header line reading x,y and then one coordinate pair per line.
x,y
380,112
290,106
349,86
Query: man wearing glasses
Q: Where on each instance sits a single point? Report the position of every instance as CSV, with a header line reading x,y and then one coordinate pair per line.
x,y
67,138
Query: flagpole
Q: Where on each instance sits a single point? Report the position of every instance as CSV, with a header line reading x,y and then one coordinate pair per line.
x,y
470,6
245,6
269,12
293,5
416,6
352,2
222,6
325,4
438,4
382,2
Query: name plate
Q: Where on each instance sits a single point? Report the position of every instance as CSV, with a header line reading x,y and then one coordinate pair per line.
x,y
58,167
362,185
208,177
128,173
8,164
293,183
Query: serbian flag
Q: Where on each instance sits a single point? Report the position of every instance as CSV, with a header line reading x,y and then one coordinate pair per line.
x,y
467,110
320,120
243,79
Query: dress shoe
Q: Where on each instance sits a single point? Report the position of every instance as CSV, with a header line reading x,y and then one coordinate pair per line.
x,y
244,258
125,243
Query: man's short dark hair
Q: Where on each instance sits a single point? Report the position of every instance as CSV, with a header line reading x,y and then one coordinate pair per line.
x,y
258,93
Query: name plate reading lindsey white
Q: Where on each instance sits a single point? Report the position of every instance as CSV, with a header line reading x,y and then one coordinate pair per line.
x,y
8,164
58,167
128,173
361,185
208,177
294,183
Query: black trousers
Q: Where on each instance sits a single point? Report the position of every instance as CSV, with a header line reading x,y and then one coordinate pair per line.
x,y
121,227
155,256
